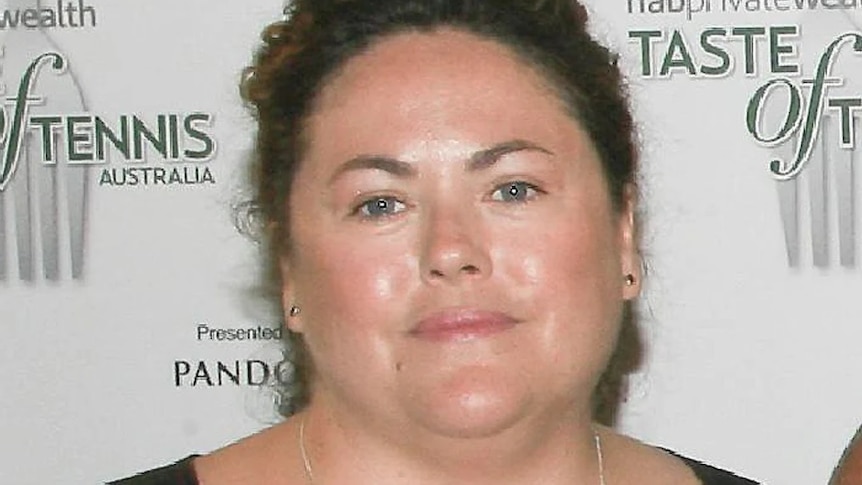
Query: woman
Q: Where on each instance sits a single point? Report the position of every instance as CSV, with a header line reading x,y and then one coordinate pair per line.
x,y
449,189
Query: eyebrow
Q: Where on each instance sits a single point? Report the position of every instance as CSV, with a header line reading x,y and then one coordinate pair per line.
x,y
480,160
486,158
393,166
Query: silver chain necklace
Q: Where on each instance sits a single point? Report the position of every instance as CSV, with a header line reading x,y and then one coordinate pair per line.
x,y
309,472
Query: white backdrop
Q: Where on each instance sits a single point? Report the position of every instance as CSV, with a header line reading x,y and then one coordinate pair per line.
x,y
752,355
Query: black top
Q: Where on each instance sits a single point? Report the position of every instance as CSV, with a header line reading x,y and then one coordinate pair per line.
x,y
179,473
182,473
708,475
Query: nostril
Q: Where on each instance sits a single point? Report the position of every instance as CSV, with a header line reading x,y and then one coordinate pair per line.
x,y
467,269
470,269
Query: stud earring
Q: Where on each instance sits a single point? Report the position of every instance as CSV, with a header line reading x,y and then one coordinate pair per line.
x,y
630,279
294,311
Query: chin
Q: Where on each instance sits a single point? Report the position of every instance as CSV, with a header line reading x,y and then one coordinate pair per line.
x,y
476,403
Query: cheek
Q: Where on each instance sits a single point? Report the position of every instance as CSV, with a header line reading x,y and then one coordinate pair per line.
x,y
568,278
353,302
340,282
561,257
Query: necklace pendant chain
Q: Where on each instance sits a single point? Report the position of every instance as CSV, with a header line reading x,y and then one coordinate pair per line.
x,y
599,456
306,463
309,472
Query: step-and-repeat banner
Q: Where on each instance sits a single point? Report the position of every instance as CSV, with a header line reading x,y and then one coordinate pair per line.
x,y
131,330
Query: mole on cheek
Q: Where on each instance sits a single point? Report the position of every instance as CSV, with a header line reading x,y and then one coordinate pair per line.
x,y
399,366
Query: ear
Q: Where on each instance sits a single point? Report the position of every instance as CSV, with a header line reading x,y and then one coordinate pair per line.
x,y
292,319
630,259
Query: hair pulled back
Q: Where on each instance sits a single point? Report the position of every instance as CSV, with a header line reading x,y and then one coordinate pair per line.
x,y
306,49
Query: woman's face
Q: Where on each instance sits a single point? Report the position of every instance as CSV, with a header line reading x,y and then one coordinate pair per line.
x,y
455,254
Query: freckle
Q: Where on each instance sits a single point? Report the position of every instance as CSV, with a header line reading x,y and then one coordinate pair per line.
x,y
399,366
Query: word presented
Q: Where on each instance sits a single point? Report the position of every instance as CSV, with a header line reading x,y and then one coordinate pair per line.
x,y
205,332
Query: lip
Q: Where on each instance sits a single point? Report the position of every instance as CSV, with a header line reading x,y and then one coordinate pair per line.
x,y
462,324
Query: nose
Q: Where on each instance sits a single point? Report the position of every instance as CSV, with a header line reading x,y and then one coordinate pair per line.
x,y
454,248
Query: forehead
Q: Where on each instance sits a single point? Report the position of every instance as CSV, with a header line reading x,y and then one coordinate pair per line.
x,y
437,97
439,76
437,60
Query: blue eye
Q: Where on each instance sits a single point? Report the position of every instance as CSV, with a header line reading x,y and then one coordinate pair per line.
x,y
379,207
514,192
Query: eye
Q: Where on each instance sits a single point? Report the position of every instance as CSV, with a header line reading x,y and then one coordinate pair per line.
x,y
379,207
515,192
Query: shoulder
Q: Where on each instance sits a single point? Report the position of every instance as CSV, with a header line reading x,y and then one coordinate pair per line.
x,y
260,458
635,462
270,456
179,473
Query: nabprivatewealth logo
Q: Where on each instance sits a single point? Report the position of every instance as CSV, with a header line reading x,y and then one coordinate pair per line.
x,y
694,8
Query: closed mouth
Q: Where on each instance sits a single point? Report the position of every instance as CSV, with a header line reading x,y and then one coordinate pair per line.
x,y
462,324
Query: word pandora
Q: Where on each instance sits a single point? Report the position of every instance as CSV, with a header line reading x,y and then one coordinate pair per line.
x,y
252,372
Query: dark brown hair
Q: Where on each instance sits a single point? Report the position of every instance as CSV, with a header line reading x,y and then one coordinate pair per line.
x,y
301,53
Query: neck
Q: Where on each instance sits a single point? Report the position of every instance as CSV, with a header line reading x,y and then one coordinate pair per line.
x,y
355,449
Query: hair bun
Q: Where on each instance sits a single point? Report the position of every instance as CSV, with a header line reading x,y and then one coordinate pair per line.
x,y
572,10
